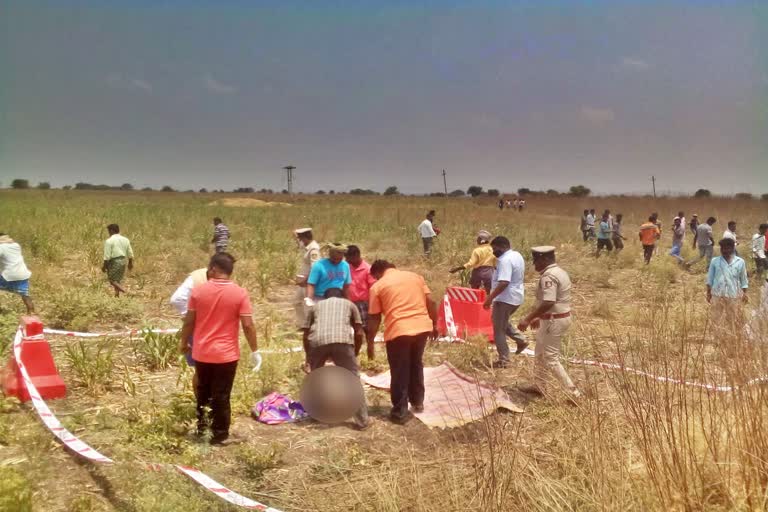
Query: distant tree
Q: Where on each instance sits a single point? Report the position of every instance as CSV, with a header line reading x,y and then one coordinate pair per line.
x,y
744,196
19,183
474,190
362,192
284,191
391,191
702,193
579,191
167,188
320,192
44,185
83,186
553,192
764,197
147,189
523,191
126,186
244,190
67,187
203,190
457,193
331,192
493,192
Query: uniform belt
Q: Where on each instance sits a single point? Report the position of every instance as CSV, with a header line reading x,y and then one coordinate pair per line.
x,y
555,316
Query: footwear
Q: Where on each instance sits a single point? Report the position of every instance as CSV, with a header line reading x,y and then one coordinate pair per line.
x,y
226,440
521,346
400,420
500,364
417,408
365,427
532,389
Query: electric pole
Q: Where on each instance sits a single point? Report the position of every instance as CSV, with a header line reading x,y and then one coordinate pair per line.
x,y
653,181
289,173
445,184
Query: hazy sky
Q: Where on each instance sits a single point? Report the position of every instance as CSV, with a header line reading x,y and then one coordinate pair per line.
x,y
538,94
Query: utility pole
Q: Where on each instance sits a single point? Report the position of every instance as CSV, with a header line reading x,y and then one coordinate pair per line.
x,y
653,181
289,172
445,184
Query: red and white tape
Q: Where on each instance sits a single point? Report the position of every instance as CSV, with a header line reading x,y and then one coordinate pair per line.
x,y
449,322
115,334
81,448
465,294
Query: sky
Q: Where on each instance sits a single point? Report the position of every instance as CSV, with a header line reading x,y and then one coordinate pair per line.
x,y
537,94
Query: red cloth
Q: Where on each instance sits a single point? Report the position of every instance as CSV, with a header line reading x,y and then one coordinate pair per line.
x,y
218,305
362,280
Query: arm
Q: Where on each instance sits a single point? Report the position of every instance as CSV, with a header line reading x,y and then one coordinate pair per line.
x,y
130,256
374,321
744,283
710,281
495,293
305,342
534,315
180,298
249,329
432,310
186,331
107,256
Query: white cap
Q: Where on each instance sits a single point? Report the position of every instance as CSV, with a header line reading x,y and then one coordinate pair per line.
x,y
543,249
301,231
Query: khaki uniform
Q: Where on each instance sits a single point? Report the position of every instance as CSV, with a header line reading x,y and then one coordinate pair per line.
x,y
554,285
310,255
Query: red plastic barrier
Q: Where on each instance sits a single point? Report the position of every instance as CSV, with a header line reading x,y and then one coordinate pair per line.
x,y
468,313
36,357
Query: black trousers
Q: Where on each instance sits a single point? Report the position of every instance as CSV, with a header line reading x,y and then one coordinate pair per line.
x,y
406,367
214,386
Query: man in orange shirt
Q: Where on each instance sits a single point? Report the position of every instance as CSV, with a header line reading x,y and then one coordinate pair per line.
x,y
410,315
215,309
649,235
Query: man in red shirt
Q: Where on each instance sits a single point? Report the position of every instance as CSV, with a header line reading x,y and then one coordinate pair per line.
x,y
362,280
215,310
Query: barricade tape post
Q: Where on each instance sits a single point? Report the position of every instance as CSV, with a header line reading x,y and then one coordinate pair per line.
x,y
84,450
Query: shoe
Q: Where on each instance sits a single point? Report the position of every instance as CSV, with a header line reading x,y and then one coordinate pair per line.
x,y
365,427
417,408
521,346
400,420
532,389
500,364
225,441
574,397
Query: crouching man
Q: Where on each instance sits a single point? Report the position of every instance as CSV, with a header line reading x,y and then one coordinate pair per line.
x,y
334,330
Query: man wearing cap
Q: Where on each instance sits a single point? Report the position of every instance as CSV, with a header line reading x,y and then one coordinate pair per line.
x,y
310,254
482,262
552,317
330,272
507,294
727,286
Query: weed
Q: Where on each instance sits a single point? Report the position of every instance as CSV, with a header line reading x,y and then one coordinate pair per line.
x,y
254,461
15,491
91,362
157,351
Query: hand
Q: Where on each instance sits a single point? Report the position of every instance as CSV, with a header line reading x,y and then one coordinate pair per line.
x,y
103,269
434,334
523,325
130,265
487,303
256,361
371,349
183,346
309,302
536,324
709,297
456,269
744,297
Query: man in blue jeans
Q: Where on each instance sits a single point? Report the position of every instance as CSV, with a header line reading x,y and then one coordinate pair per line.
x,y
507,294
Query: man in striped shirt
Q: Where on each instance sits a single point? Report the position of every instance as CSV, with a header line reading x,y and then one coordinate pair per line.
x,y
220,235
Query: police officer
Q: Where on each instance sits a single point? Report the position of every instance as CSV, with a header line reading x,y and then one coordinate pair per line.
x,y
552,317
310,253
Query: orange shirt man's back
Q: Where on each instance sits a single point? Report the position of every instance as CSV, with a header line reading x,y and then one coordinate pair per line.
x,y
401,297
218,305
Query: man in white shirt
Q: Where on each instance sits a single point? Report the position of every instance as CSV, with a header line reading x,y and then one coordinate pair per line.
x,y
14,274
427,232
731,233
507,294
758,250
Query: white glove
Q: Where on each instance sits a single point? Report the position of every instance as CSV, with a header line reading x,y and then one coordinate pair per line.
x,y
256,361
309,302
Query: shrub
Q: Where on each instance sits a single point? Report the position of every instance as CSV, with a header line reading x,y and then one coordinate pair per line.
x,y
523,191
254,462
474,190
167,188
493,192
78,309
457,193
126,186
744,196
764,197
91,363
18,183
157,351
579,191
702,193
391,191
15,491
44,185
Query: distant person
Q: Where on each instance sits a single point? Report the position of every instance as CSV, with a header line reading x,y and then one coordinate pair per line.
x,y
657,222
591,219
14,274
616,237
730,232
482,262
727,286
180,302
681,216
216,310
508,204
758,250
310,254
330,272
694,225
334,330
507,294
610,217
362,280
678,236
501,204
704,241
649,235
521,205
118,255
220,239
604,235
583,226
427,232
516,204
551,317
404,301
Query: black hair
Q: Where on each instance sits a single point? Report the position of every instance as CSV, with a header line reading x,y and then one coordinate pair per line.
x,y
727,242
217,220
731,222
380,266
223,261
619,216
431,213
501,241
586,211
711,220
353,250
761,227
113,228
306,235
333,292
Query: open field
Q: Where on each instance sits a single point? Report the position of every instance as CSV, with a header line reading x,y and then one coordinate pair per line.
x,y
632,443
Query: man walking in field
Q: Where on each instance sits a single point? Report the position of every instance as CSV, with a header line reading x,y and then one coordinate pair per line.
x,y
14,274
616,237
410,317
118,255
694,227
678,236
220,235
507,294
604,235
758,250
649,235
551,317
310,254
730,232
427,232
330,272
583,227
362,280
704,241
727,286
334,330
216,310
591,218
482,262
